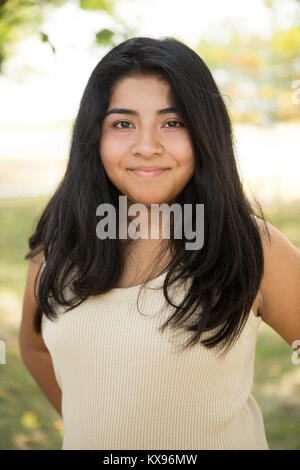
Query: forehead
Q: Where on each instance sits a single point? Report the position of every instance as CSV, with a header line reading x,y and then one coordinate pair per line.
x,y
141,89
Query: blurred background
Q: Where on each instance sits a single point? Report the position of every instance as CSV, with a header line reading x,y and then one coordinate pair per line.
x,y
48,49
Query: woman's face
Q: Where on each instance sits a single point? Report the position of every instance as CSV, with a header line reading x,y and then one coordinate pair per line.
x,y
145,134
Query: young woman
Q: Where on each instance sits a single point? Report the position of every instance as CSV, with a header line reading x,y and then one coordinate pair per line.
x,y
152,126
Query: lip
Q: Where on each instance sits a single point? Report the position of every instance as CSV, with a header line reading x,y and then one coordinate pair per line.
x,y
148,173
146,168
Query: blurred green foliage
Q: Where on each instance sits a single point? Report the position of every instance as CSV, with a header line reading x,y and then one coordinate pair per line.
x,y
20,19
257,74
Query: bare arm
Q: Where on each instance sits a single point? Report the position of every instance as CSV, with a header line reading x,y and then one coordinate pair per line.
x,y
280,306
39,364
33,350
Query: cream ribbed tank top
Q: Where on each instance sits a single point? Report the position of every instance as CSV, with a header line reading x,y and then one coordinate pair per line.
x,y
125,385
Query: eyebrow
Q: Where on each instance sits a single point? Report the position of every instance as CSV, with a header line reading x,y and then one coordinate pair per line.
x,y
135,113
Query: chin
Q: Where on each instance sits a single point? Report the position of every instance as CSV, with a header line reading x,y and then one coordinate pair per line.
x,y
147,201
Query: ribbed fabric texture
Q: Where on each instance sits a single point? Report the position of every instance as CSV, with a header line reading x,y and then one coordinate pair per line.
x,y
125,385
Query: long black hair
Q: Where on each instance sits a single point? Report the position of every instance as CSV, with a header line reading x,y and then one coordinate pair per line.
x,y
226,272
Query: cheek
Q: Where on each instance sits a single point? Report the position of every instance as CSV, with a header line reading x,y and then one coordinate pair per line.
x,y
181,149
112,151
186,164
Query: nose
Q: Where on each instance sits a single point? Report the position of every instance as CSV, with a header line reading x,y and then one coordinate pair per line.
x,y
147,144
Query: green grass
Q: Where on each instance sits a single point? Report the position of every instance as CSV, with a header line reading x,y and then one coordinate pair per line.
x,y
28,420
18,218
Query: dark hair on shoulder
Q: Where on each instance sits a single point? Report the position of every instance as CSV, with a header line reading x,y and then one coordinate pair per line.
x,y
226,272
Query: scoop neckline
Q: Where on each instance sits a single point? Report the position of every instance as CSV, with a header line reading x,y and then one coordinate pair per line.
x,y
132,289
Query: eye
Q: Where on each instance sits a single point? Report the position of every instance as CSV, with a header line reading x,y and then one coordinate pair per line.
x,y
116,125
173,121
120,122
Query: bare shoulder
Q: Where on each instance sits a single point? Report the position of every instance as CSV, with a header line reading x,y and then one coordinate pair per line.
x,y
263,230
27,337
37,259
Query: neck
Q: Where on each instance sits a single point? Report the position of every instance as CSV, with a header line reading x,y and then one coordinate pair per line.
x,y
150,223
